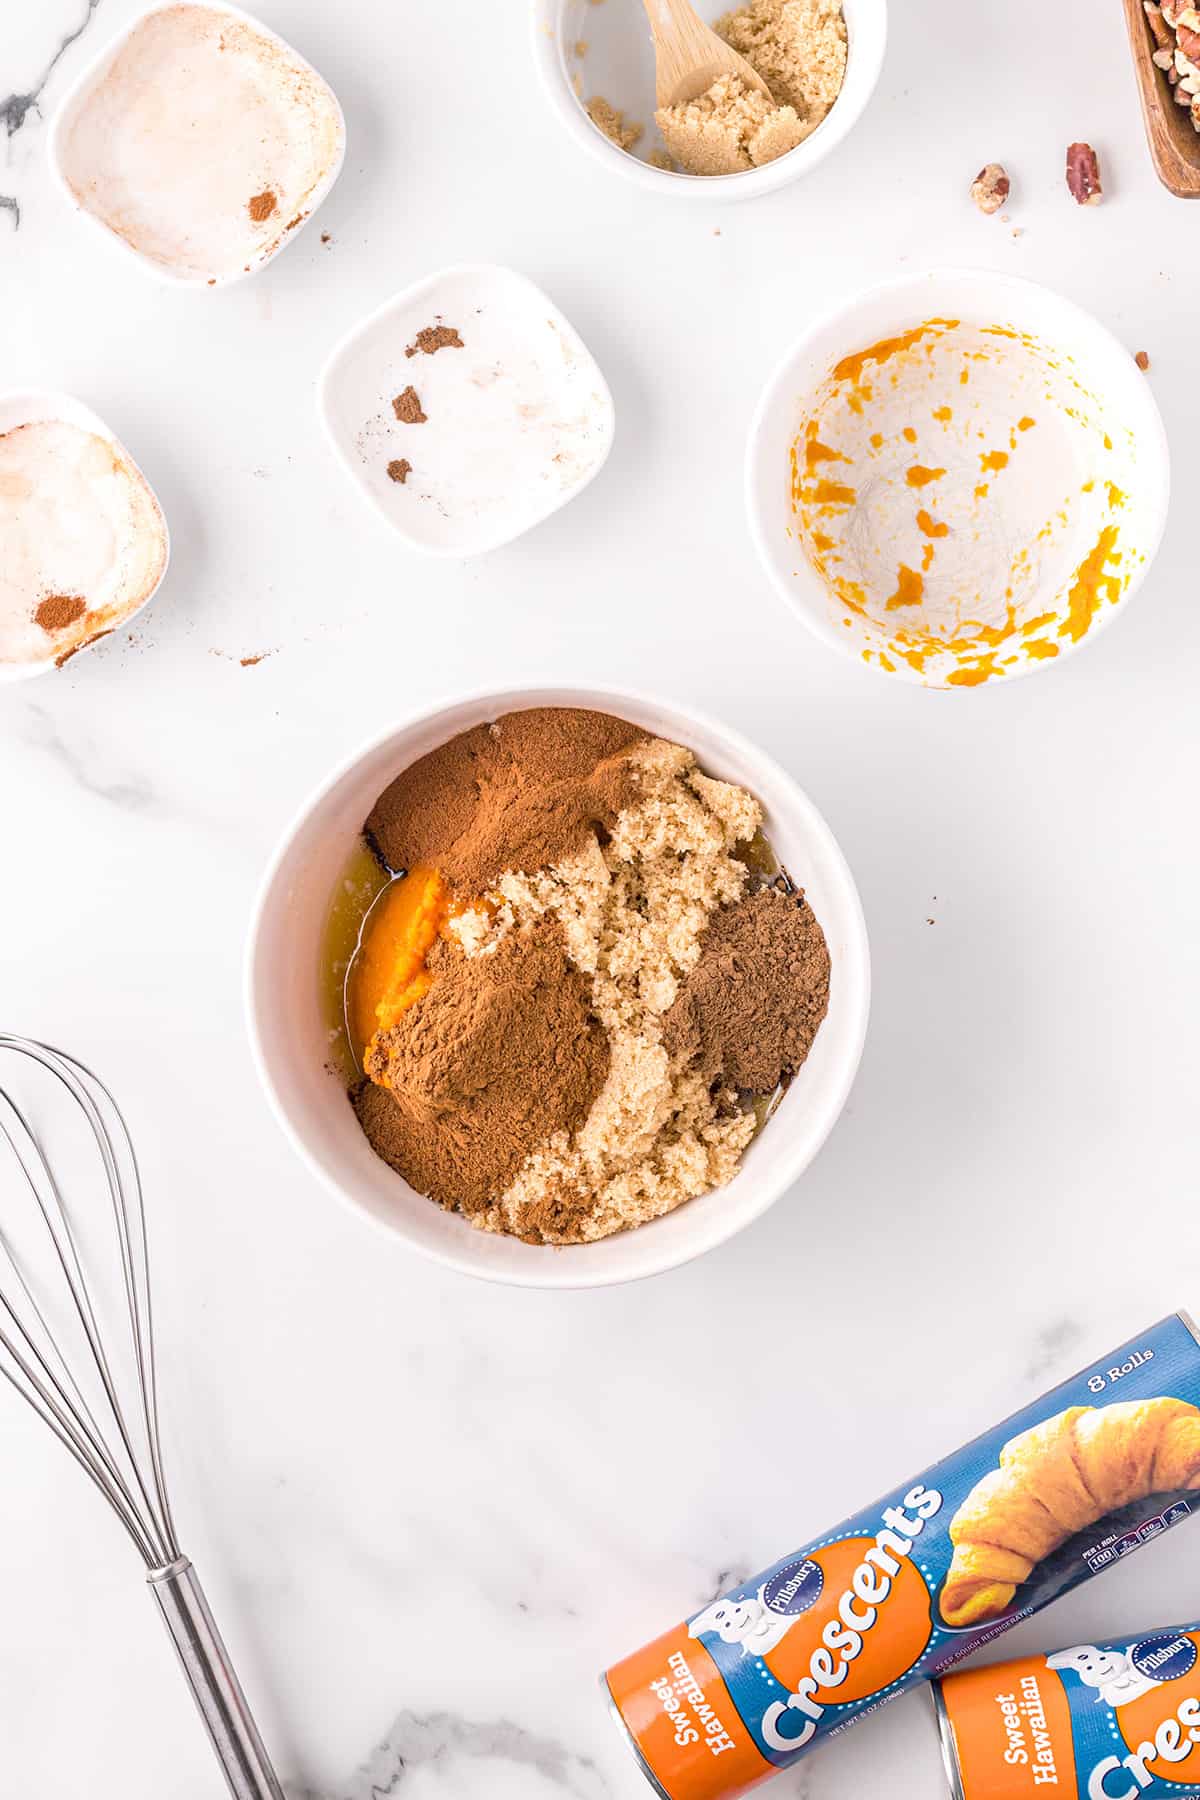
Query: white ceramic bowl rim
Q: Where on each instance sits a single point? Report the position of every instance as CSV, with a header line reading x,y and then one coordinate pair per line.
x,y
758,481
866,50
546,1267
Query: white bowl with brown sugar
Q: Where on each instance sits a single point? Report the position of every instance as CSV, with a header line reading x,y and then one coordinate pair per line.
x,y
294,1043
821,58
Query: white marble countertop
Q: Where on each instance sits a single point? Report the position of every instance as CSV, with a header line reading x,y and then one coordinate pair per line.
x,y
427,1511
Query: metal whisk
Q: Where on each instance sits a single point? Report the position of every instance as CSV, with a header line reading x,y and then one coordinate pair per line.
x,y
61,1245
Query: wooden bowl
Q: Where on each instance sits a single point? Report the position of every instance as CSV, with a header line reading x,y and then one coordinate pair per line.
x,y
1174,142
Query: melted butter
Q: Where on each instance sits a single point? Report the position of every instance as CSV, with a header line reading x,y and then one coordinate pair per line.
x,y
360,884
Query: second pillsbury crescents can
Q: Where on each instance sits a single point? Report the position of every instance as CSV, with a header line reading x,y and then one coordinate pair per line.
x,y
900,1592
1111,1721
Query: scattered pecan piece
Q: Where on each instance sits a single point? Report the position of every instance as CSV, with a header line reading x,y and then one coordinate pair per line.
x,y
1083,175
1158,25
990,188
1142,359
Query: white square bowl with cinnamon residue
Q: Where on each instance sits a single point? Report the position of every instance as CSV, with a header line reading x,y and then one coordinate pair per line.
x,y
467,409
199,142
83,541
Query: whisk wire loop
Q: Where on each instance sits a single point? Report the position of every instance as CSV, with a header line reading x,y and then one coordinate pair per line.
x,y
129,1474
116,1444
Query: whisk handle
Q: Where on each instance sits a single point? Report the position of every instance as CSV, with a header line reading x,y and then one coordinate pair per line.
x,y
212,1680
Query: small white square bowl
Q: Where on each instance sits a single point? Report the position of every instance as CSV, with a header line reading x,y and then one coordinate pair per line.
x,y
162,146
518,420
147,549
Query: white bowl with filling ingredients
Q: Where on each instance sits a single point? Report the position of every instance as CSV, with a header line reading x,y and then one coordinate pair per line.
x,y
957,478
289,1019
85,541
199,142
821,59
467,409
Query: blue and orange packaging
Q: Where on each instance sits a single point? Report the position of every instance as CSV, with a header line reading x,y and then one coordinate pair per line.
x,y
1114,1721
941,1565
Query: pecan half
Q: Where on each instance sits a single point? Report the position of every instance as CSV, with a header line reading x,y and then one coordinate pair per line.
x,y
1158,25
991,188
1083,175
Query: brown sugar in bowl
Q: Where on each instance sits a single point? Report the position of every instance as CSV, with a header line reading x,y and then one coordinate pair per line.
x,y
289,1030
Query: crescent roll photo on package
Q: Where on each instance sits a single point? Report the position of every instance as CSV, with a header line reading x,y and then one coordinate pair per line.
x,y
940,1565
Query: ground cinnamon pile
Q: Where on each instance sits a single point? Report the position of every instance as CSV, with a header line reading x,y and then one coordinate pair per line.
x,y
518,794
497,1054
57,611
750,1009
261,206
432,338
407,408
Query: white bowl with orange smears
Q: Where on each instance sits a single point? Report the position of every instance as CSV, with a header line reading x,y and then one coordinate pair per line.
x,y
310,920
85,543
198,142
957,478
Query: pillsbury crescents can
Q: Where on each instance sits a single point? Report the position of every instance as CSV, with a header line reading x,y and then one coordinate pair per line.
x,y
941,1565
1112,1721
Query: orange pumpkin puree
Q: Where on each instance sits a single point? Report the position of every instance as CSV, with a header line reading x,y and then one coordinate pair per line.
x,y
1092,585
389,974
909,588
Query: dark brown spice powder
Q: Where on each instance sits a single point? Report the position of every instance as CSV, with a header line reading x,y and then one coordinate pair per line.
x,y
749,1010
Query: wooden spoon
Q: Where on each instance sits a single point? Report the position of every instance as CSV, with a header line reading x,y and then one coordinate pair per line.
x,y
1174,144
689,57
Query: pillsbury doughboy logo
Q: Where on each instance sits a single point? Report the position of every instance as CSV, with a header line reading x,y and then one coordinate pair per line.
x,y
794,1588
744,1624
1164,1658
